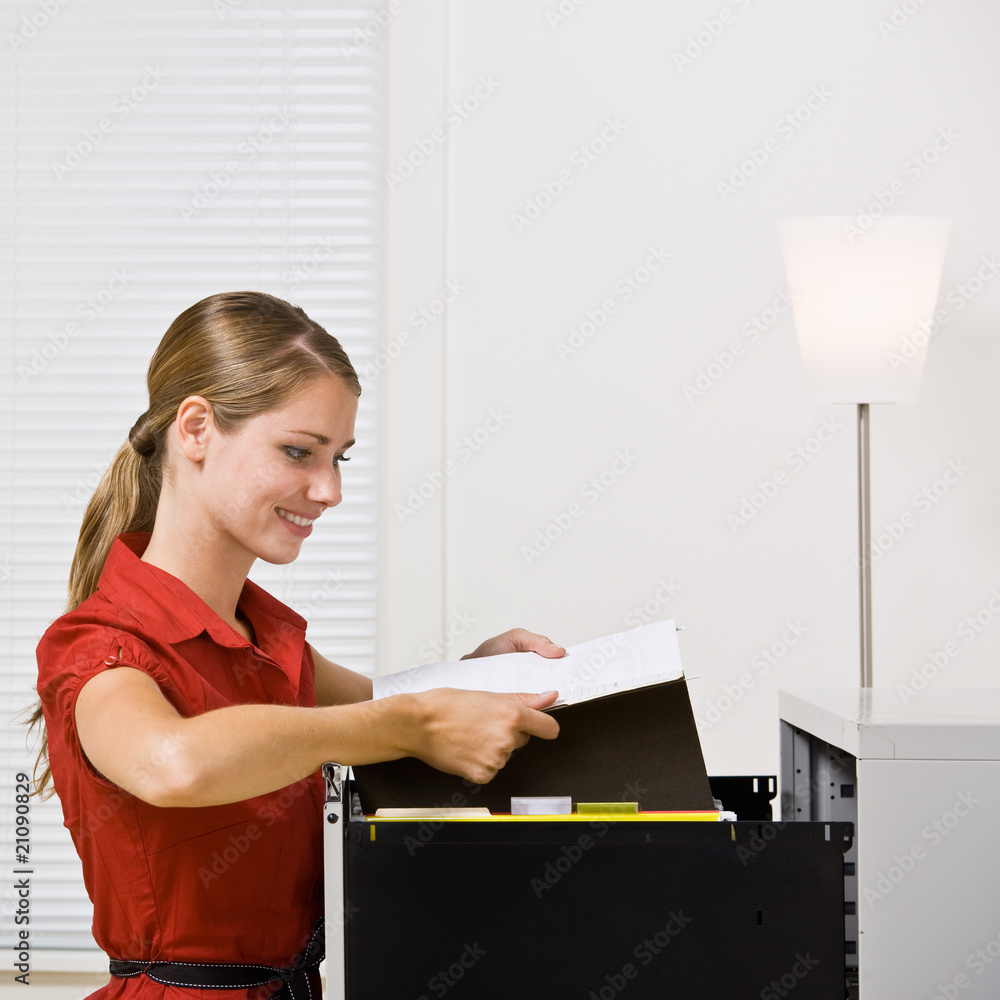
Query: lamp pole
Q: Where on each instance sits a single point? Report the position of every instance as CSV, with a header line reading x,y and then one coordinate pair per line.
x,y
853,300
865,546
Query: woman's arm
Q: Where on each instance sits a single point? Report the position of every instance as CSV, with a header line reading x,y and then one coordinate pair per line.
x,y
336,685
135,738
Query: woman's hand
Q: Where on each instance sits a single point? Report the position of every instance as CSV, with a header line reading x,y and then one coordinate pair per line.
x,y
473,733
517,640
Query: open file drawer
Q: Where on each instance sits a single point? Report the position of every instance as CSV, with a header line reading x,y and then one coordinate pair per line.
x,y
579,907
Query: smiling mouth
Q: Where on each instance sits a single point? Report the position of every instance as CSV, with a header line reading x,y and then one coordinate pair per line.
x,y
302,522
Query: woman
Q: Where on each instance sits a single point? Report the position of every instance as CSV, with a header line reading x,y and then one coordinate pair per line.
x,y
186,716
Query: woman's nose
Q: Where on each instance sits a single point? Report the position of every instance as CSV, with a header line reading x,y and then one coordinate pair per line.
x,y
325,487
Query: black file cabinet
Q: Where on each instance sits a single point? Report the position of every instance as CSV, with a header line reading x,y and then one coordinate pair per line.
x,y
594,909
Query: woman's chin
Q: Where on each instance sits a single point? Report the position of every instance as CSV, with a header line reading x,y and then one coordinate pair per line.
x,y
280,553
284,557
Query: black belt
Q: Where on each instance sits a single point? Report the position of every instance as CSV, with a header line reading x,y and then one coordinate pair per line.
x,y
229,976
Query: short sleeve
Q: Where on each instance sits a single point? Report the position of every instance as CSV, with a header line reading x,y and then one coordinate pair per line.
x,y
68,656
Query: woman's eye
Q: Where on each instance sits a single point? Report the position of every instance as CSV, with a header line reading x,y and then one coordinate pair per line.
x,y
296,454
339,459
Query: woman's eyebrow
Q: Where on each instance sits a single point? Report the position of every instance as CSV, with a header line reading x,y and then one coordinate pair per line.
x,y
322,438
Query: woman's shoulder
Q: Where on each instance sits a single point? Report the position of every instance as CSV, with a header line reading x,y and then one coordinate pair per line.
x,y
90,634
93,615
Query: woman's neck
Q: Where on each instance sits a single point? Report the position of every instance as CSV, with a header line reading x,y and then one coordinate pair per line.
x,y
203,559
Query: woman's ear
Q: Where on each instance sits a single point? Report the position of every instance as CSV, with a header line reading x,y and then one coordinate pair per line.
x,y
194,426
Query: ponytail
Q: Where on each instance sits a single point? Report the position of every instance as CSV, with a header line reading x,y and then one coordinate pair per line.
x,y
125,500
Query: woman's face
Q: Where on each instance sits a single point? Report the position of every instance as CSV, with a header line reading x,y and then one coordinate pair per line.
x,y
262,485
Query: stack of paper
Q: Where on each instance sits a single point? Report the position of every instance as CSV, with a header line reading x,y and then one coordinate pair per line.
x,y
620,662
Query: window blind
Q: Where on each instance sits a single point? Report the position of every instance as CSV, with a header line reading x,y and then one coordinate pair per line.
x,y
153,154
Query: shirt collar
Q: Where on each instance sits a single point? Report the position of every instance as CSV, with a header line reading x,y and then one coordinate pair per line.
x,y
172,611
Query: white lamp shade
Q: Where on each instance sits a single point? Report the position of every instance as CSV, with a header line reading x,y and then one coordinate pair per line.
x,y
863,302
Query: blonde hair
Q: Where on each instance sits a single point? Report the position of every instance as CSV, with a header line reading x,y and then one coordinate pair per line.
x,y
244,352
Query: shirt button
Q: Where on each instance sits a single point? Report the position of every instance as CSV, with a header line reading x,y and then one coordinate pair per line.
x,y
111,661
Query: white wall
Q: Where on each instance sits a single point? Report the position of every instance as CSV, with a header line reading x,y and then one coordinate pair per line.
x,y
886,94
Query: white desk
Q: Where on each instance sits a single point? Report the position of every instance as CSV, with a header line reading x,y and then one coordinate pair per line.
x,y
922,783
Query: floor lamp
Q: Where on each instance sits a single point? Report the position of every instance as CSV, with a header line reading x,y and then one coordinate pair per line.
x,y
863,302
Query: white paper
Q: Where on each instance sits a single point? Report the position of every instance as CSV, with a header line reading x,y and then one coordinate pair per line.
x,y
619,662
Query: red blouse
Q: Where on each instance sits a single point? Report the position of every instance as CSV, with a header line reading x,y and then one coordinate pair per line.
x,y
233,883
